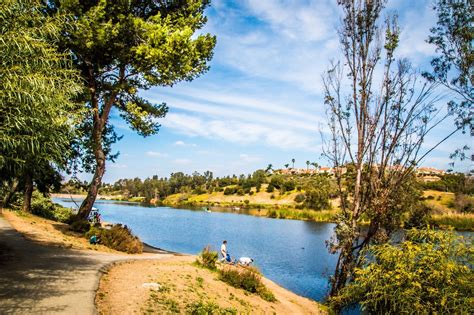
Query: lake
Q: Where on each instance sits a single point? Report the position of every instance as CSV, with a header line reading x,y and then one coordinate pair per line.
x,y
292,253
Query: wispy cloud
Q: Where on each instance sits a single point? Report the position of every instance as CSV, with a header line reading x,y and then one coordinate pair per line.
x,y
250,158
239,132
117,165
182,161
181,143
156,154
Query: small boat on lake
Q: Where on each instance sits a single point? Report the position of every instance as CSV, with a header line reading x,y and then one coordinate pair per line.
x,y
206,209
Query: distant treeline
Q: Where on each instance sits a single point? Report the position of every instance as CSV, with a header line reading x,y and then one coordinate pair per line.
x,y
316,189
455,183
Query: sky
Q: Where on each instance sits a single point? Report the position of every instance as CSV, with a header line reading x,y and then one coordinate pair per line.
x,y
261,102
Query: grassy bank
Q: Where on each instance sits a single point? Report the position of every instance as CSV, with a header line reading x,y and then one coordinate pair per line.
x,y
176,286
460,222
283,206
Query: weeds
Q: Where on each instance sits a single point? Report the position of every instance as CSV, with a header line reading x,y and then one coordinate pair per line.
x,y
248,279
207,258
119,237
205,308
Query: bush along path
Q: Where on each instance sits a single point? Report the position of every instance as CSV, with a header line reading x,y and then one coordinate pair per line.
x,y
35,278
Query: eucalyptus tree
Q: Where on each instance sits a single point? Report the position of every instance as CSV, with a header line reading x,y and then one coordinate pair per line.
x,y
121,47
378,125
453,37
37,85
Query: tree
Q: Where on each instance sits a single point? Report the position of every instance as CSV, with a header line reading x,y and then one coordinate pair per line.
x,y
293,161
453,36
315,165
269,168
123,46
36,111
287,165
430,272
307,165
376,131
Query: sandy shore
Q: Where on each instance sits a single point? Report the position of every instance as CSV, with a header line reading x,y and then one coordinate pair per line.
x,y
121,289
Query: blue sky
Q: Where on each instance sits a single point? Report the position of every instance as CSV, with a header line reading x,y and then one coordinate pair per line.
x,y
261,101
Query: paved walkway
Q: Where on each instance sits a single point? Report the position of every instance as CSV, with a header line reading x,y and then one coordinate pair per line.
x,y
38,279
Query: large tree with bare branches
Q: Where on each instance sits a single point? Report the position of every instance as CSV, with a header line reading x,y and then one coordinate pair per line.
x,y
380,112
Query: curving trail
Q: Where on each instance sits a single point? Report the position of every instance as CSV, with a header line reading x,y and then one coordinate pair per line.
x,y
38,279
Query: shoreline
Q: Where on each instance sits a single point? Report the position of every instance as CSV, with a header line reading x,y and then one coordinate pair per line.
x,y
47,233
460,222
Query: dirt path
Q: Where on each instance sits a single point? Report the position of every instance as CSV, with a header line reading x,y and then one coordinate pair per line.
x,y
38,279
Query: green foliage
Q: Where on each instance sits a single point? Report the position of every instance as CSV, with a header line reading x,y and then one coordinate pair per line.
x,y
81,226
270,188
208,308
248,278
456,183
207,258
44,207
430,272
418,217
36,111
464,203
453,35
119,237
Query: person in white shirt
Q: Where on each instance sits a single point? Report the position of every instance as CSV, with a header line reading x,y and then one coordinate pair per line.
x,y
245,261
224,251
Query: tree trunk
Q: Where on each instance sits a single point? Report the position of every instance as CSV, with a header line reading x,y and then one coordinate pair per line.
x,y
87,204
28,192
10,193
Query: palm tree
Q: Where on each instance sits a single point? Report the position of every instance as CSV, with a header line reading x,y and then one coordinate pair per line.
x,y
316,165
269,168
307,165
286,165
293,161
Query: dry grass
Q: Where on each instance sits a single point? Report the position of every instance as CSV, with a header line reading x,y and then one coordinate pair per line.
x,y
185,287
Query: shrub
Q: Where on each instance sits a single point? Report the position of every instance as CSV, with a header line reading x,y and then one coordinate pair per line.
x,y
207,258
270,188
248,279
230,190
300,198
206,308
80,226
44,207
119,237
430,273
463,203
240,192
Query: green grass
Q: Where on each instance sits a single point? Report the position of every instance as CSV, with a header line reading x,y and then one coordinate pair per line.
x,y
305,214
460,222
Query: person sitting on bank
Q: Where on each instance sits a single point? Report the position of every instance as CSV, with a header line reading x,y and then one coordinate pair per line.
x,y
245,261
94,240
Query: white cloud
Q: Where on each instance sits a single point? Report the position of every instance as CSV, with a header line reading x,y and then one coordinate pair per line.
x,y
182,161
118,165
239,132
156,154
181,143
249,158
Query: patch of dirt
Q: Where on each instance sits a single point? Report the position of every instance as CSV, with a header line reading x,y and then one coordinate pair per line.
x,y
182,284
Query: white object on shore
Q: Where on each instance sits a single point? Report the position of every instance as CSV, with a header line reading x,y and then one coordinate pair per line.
x,y
152,285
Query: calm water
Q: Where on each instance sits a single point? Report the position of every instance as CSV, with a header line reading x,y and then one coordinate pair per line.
x,y
291,253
